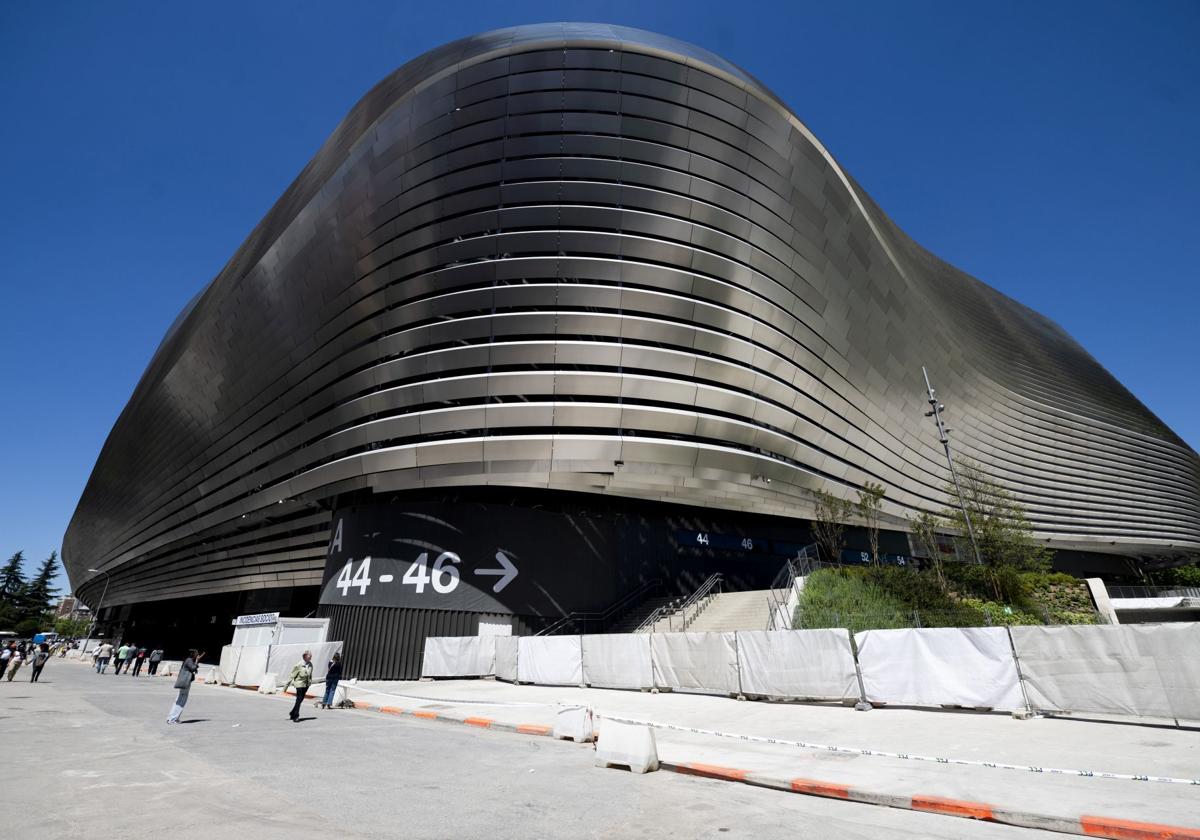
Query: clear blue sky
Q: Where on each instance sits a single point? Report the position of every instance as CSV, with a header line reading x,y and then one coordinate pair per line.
x,y
1051,149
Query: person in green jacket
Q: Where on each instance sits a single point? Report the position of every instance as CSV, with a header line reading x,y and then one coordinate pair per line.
x,y
300,679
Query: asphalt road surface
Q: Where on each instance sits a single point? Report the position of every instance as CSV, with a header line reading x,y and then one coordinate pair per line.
x,y
90,755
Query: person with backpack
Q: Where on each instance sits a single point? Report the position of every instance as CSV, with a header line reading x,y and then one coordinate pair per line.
x,y
40,655
156,656
183,682
333,676
138,657
301,679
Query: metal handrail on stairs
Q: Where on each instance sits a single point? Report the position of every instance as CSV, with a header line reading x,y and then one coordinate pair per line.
x,y
677,613
803,564
602,617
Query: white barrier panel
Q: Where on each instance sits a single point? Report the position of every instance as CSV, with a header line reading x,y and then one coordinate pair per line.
x,y
964,666
228,665
810,664
283,658
252,665
506,658
1146,670
618,660
550,660
695,661
459,656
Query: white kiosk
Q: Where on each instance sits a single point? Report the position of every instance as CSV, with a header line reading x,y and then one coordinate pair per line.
x,y
268,643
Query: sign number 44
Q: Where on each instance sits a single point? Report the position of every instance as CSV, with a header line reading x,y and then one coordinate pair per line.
x,y
362,579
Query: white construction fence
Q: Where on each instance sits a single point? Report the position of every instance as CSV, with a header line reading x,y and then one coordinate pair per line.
x,y
1146,670
246,666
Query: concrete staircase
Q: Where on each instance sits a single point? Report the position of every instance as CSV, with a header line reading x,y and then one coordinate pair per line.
x,y
632,619
733,611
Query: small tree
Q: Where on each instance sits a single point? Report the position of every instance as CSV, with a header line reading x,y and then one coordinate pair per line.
x,y
925,528
829,522
12,582
1002,530
868,508
35,601
71,628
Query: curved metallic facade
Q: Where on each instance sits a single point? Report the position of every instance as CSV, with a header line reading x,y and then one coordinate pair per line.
x,y
587,258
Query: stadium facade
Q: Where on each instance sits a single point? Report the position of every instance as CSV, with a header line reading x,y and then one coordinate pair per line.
x,y
560,310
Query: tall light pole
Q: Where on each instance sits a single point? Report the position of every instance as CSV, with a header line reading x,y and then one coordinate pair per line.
x,y
935,411
96,614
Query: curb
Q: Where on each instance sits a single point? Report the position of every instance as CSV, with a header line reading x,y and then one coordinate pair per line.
x,y
538,729
1085,825
1088,826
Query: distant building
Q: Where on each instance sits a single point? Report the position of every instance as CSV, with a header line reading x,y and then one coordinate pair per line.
x,y
68,605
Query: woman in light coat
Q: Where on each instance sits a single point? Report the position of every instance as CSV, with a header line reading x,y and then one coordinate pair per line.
x,y
14,663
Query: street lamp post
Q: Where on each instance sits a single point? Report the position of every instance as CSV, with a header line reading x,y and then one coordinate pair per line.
x,y
935,411
96,614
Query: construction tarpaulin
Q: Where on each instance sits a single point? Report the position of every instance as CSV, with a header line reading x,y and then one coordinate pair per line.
x,y
228,665
506,657
550,660
1145,670
252,665
695,661
940,666
283,658
810,664
618,660
459,656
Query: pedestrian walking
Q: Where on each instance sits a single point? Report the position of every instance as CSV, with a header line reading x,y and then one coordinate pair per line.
x,y
122,652
40,655
103,655
14,663
129,657
300,679
139,657
156,656
6,657
183,682
333,676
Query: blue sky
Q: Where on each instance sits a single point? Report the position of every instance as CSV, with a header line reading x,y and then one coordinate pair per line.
x,y
1050,149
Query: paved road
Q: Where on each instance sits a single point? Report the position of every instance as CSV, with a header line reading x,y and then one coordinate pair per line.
x,y
103,764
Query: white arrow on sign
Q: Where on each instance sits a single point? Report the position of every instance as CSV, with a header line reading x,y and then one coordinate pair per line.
x,y
507,571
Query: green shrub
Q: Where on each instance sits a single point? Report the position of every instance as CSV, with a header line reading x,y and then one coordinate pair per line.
x,y
881,597
1179,576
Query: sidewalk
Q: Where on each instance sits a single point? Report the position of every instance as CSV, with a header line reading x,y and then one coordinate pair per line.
x,y
1107,807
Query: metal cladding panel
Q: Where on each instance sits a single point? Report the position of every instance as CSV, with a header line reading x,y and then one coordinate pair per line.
x,y
387,643
595,259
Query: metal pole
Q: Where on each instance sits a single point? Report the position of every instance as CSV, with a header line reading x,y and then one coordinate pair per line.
x,y
935,411
96,614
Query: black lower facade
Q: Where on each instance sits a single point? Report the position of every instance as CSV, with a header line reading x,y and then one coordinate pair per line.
x,y
412,567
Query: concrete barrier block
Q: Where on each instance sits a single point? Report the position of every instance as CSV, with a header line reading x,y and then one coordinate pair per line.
x,y
627,745
269,684
574,723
